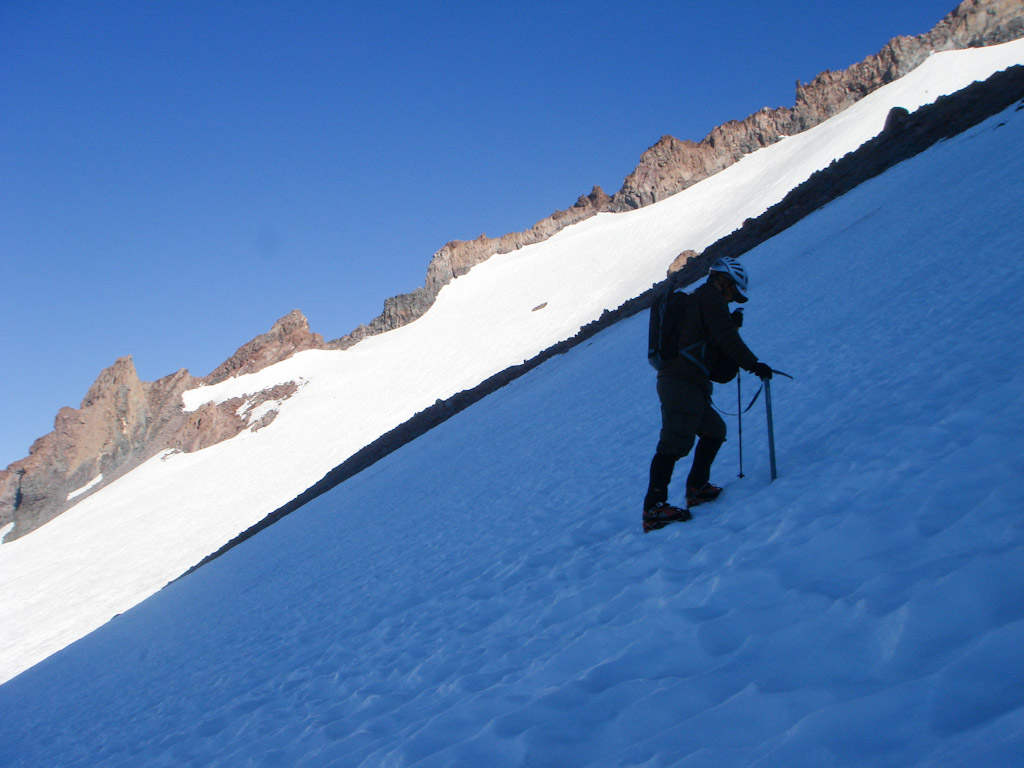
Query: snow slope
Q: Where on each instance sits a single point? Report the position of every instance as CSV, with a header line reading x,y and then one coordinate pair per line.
x,y
126,540
485,596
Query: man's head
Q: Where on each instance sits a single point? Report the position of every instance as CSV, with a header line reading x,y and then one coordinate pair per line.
x,y
731,278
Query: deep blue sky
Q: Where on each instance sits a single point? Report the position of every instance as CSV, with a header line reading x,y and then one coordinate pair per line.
x,y
174,176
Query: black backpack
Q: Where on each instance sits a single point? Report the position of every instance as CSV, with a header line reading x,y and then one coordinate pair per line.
x,y
663,334
663,340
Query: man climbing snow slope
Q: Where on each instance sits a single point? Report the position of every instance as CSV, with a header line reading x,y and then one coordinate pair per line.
x,y
706,347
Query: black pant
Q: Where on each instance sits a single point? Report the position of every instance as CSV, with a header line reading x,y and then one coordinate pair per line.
x,y
686,414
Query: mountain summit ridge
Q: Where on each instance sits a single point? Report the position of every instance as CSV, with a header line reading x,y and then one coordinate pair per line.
x,y
672,165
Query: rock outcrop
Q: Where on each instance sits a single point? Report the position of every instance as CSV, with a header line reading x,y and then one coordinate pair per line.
x,y
288,335
672,165
105,433
124,421
213,422
680,261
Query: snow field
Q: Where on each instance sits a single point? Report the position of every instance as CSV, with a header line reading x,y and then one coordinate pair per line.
x,y
127,540
485,595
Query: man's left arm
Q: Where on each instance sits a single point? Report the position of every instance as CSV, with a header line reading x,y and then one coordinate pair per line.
x,y
725,334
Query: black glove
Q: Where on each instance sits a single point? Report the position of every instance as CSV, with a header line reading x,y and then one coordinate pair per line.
x,y
762,371
737,317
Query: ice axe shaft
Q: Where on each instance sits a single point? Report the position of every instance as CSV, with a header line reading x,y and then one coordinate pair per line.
x,y
739,410
771,430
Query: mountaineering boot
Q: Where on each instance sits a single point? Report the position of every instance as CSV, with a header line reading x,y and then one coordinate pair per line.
x,y
661,514
707,492
661,475
703,457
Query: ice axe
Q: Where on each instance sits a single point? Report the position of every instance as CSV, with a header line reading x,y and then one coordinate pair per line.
x,y
739,412
771,429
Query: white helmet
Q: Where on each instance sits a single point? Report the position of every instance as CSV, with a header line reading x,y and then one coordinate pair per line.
x,y
731,267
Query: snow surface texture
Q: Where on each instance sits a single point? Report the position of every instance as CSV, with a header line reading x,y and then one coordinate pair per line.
x,y
484,596
127,540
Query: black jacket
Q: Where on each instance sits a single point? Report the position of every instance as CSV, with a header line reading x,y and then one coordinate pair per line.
x,y
710,341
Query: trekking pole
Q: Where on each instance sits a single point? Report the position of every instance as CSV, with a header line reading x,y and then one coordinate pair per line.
x,y
739,411
771,431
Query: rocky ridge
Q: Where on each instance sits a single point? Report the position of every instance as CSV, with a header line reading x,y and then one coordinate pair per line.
x,y
457,257
672,165
124,421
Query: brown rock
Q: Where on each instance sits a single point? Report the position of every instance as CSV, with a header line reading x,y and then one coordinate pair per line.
x,y
109,427
680,261
212,423
671,165
288,335
123,421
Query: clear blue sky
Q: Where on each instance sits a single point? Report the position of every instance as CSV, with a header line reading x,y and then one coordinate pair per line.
x,y
175,176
